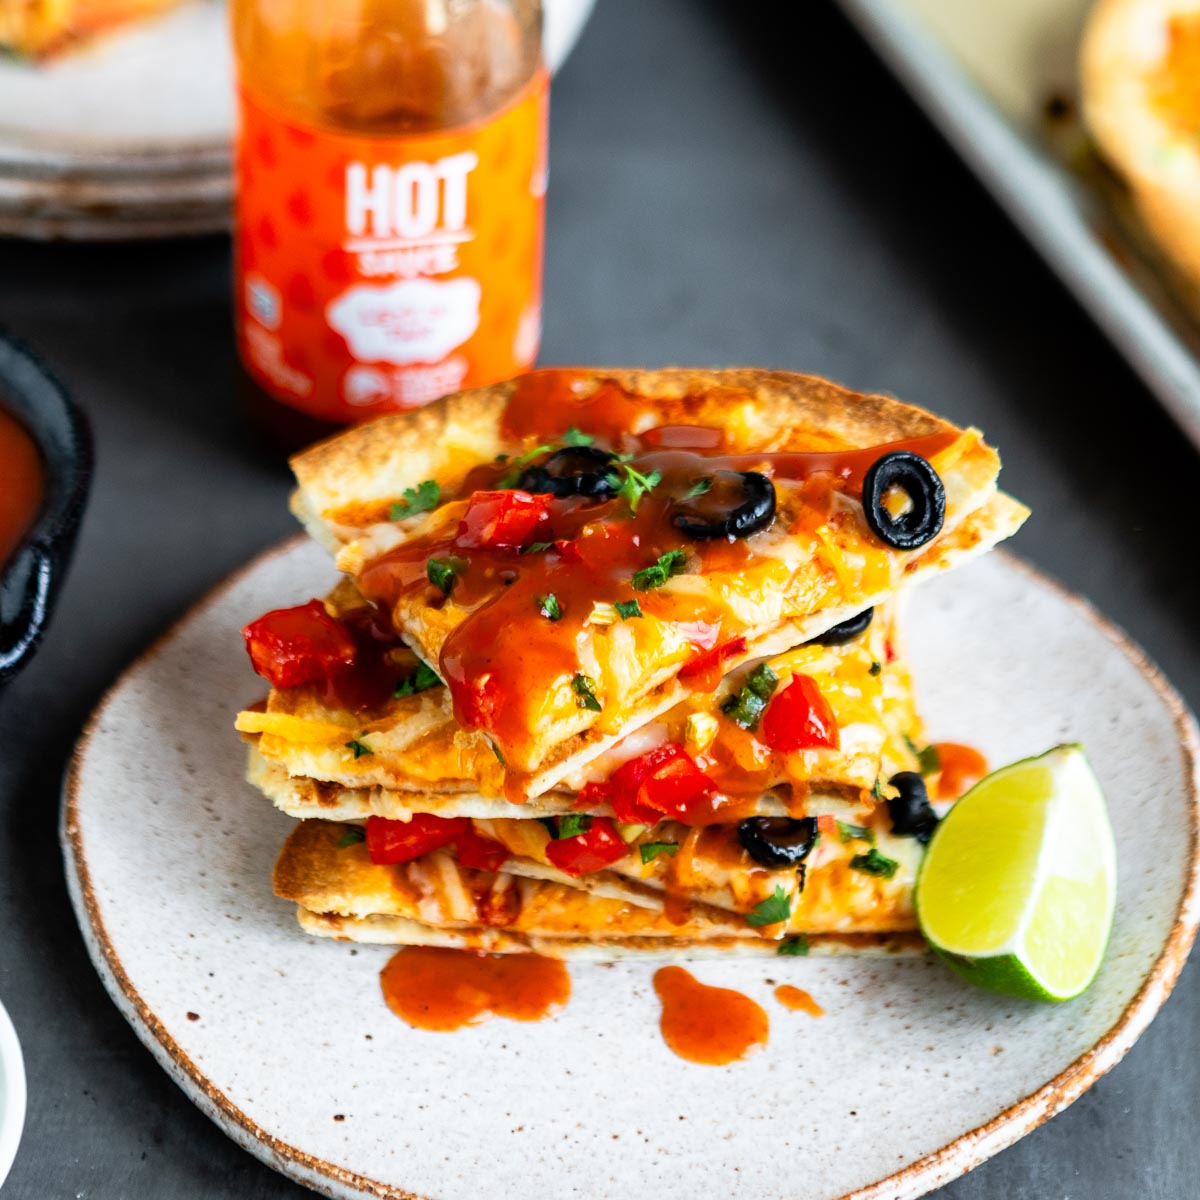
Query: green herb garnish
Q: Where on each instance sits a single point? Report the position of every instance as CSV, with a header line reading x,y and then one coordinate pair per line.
x,y
535,547
584,687
576,437
627,608
671,563
794,947
496,752
874,863
877,790
568,825
849,833
876,667
422,498
359,748
699,488
746,706
775,908
929,762
421,680
352,834
549,607
441,572
511,478
631,485
651,850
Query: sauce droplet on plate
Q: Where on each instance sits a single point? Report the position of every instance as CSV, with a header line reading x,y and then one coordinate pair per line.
x,y
431,987
798,1000
960,769
709,1025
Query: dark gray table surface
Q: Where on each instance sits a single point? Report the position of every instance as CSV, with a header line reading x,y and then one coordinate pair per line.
x,y
719,195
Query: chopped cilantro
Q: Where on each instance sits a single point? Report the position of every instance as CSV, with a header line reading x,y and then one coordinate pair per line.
x,y
654,576
848,832
651,850
794,947
775,908
511,478
576,437
352,834
422,498
441,572
877,790
549,607
745,707
874,863
584,687
421,680
568,825
359,748
497,753
929,762
631,485
535,547
699,488
876,667
627,608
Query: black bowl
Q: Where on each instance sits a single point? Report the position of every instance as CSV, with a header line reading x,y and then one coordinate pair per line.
x,y
33,576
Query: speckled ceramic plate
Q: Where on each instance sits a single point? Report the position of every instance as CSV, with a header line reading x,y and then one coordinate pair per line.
x,y
911,1078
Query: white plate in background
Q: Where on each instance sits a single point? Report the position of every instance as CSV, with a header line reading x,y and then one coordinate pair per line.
x,y
12,1094
910,1079
984,72
130,136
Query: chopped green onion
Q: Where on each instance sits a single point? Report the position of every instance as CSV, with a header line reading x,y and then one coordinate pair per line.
x,y
549,607
627,608
746,706
535,547
929,762
576,437
359,748
568,825
441,572
352,834
848,832
584,687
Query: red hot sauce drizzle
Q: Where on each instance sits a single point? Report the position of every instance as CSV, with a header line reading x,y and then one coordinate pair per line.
x,y
23,483
431,987
709,1025
587,552
798,1000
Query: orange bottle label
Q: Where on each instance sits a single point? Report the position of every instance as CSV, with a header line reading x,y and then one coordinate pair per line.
x,y
376,273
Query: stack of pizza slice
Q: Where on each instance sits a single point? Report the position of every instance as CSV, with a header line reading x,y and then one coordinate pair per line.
x,y
614,665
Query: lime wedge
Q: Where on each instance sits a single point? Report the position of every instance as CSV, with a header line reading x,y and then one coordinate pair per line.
x,y
1017,888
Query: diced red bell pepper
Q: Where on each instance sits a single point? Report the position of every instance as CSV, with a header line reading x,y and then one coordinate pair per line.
x,y
664,781
291,646
706,668
567,550
476,700
799,718
827,824
499,520
401,841
478,852
599,847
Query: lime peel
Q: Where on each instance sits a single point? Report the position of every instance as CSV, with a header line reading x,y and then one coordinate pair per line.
x,y
1018,885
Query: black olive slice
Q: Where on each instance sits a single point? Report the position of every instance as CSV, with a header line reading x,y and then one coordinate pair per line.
x,y
778,841
737,504
847,631
911,813
573,471
913,475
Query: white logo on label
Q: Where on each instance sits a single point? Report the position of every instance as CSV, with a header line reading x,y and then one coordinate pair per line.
x,y
262,300
366,385
414,320
412,201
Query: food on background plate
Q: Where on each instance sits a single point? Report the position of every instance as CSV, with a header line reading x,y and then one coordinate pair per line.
x,y
617,668
39,29
1140,76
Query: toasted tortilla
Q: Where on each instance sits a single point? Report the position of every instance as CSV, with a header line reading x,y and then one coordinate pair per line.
x,y
417,749
796,583
320,874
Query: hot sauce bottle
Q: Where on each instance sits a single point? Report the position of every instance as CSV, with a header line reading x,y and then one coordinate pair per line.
x,y
390,182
